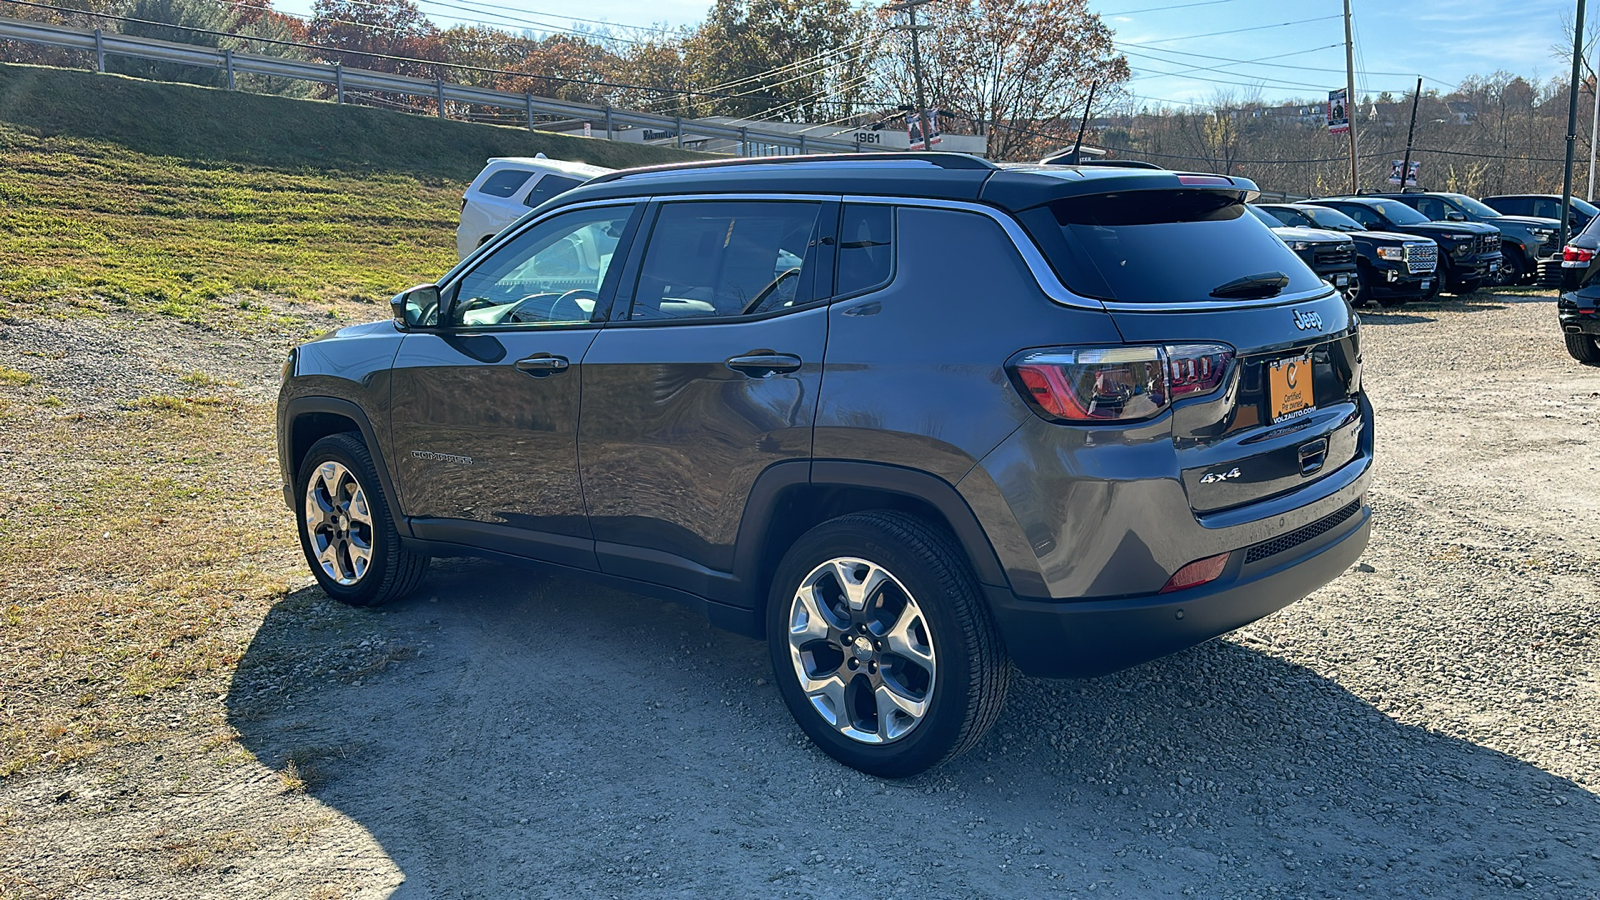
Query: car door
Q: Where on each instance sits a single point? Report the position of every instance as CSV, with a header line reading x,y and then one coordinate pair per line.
x,y
485,403
707,376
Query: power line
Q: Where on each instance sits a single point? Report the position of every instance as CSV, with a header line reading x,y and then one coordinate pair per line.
x,y
1192,37
1134,12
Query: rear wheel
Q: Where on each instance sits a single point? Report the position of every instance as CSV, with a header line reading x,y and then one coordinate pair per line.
x,y
346,532
1584,348
882,647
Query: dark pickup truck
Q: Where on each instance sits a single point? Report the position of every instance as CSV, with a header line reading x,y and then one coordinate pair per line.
x,y
1525,241
1469,252
1390,268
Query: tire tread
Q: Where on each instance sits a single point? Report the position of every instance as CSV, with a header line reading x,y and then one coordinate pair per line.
x,y
402,569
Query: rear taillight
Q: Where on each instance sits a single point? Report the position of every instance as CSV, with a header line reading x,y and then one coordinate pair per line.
x,y
1575,257
1118,384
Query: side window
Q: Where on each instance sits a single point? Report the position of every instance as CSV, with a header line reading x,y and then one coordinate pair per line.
x,y
547,187
1365,216
866,247
504,183
1430,207
726,258
1546,208
548,275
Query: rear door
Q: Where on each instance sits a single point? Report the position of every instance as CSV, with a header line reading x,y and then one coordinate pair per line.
x,y
707,375
1163,261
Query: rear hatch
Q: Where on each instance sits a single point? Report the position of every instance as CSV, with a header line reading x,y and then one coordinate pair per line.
x,y
1189,271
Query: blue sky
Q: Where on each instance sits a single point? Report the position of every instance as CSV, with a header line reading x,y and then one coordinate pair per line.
x,y
1177,54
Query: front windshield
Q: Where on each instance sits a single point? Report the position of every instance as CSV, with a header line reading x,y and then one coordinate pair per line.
x,y
1323,217
1475,207
1399,213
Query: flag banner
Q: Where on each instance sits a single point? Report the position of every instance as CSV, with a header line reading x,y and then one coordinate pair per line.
x,y
1338,112
914,130
1411,176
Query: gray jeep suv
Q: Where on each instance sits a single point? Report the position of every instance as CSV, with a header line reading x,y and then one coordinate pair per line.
x,y
911,418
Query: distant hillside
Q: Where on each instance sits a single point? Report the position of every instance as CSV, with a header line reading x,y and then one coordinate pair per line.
x,y
234,127
210,205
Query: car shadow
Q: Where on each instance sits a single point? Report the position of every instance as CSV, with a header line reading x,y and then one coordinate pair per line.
x,y
506,733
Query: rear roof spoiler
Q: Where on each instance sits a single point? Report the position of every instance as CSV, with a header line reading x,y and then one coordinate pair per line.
x,y
1026,187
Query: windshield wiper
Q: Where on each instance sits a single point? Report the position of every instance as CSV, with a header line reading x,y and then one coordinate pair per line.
x,y
1253,287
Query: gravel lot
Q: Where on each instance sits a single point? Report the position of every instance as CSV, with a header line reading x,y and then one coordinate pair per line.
x,y
1427,725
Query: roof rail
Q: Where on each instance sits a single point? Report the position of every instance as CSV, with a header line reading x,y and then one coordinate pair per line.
x,y
941,159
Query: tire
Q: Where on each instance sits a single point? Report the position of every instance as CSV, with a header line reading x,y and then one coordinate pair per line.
x,y
1584,348
1366,277
1463,288
1513,269
945,675
336,480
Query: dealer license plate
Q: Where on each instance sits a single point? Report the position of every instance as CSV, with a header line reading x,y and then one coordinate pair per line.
x,y
1289,384
1341,281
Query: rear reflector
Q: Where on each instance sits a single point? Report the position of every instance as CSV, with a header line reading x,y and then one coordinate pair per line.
x,y
1201,571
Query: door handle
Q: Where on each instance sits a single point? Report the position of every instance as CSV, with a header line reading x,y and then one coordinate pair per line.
x,y
543,364
760,365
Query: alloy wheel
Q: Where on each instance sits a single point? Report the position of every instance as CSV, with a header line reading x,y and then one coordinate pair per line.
x,y
862,650
338,523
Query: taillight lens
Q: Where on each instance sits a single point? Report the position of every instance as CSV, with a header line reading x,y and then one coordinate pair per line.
x,y
1119,384
1575,257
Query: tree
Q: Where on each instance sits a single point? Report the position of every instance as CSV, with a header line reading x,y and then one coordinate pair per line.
x,y
1020,70
564,67
793,59
382,35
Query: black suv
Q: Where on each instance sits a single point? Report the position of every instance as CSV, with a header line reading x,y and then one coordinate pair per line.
x,y
910,417
1525,241
1329,254
1390,268
1469,253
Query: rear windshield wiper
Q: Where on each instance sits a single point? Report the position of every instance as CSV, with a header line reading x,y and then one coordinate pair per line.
x,y
1253,287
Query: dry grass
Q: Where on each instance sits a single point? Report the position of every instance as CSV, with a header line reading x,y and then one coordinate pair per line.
x,y
137,565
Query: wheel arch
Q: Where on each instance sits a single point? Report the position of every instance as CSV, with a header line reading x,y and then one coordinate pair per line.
x,y
790,499
310,419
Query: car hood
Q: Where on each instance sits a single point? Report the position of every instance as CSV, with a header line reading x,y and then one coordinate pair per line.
x,y
1391,237
353,332
1456,230
1311,235
1527,222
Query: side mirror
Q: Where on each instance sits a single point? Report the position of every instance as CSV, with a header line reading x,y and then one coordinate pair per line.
x,y
1454,216
416,307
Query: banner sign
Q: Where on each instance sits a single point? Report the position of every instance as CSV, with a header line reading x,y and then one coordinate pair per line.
x,y
1338,112
914,130
1411,176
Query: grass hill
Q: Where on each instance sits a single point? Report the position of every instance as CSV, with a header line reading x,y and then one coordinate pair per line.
x,y
190,201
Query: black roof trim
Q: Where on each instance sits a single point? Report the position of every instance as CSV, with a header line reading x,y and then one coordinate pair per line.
x,y
942,160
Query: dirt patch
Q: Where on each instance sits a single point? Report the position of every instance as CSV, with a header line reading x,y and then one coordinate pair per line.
x,y
1428,724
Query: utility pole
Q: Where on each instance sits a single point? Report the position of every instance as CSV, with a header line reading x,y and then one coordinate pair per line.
x,y
1405,167
909,7
1350,103
1572,125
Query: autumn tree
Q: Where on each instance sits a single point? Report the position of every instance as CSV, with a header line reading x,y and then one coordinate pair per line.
x,y
792,59
1018,70
382,35
566,67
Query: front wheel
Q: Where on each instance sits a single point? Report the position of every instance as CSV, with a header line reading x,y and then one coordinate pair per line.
x,y
1465,287
882,647
346,532
1583,348
1513,270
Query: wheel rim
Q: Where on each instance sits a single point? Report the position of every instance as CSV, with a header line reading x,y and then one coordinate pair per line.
x,y
862,650
338,523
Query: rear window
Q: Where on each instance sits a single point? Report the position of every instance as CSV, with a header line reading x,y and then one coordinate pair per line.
x,y
1167,246
548,187
504,183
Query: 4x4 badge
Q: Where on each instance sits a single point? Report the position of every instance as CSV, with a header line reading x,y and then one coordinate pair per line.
x,y
1307,321
1215,477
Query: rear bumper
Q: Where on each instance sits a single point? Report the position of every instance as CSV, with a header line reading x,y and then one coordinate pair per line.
x,y
1069,639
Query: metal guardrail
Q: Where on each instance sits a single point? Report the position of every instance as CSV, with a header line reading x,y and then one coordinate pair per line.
x,y
344,78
